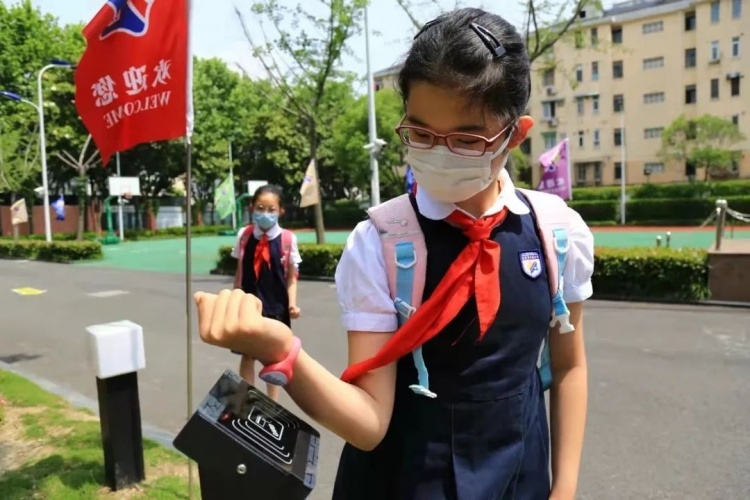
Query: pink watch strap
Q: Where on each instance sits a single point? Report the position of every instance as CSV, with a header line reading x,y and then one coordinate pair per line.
x,y
281,373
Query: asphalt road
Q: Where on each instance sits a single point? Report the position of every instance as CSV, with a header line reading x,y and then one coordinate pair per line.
x,y
669,385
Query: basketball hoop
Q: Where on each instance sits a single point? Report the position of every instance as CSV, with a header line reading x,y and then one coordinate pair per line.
x,y
127,195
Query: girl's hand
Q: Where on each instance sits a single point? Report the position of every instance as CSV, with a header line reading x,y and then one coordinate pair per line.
x,y
294,312
233,319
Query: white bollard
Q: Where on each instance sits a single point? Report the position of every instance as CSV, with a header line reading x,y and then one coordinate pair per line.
x,y
116,353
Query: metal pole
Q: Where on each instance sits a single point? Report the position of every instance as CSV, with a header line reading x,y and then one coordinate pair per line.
x,y
119,203
43,152
375,179
623,168
231,176
721,218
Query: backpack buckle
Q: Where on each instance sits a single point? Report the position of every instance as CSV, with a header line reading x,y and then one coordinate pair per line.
x,y
404,308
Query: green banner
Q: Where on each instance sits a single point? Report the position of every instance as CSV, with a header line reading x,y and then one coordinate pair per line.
x,y
224,198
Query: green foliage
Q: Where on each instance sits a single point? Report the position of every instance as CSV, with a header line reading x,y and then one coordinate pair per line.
x,y
680,211
712,190
704,142
659,273
622,273
596,210
350,133
57,251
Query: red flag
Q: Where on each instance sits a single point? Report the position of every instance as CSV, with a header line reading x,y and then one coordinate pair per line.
x,y
133,79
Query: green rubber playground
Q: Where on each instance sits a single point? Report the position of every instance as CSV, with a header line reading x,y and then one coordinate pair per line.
x,y
168,255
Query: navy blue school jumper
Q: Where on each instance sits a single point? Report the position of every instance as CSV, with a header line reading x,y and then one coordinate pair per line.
x,y
485,436
270,287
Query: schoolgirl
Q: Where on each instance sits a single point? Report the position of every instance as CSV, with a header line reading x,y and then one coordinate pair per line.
x,y
476,427
268,263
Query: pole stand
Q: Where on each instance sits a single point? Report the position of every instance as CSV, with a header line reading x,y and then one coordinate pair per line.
x,y
111,238
122,437
116,353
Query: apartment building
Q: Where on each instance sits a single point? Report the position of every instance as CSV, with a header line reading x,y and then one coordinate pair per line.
x,y
624,74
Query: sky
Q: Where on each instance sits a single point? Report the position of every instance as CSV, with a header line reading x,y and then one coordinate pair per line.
x,y
216,31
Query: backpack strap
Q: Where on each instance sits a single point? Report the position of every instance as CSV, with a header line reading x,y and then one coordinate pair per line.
x,y
553,219
287,238
405,255
244,238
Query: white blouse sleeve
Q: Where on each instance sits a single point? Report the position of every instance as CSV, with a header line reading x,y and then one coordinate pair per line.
x,y
362,283
294,253
580,264
236,249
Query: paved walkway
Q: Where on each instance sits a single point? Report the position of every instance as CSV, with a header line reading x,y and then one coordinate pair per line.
x,y
669,385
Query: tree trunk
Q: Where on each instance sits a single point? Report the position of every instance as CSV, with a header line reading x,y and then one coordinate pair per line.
x,y
82,205
15,226
320,230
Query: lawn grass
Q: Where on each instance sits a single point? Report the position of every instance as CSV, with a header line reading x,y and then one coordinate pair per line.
x,y
50,450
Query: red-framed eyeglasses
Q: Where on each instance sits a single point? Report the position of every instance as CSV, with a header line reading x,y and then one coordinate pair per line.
x,y
458,142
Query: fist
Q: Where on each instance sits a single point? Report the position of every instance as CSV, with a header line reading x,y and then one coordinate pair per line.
x,y
294,312
234,320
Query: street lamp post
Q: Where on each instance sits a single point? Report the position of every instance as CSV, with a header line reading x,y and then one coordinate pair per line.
x,y
372,125
55,63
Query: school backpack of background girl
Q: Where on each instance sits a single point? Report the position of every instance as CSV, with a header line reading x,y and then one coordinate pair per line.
x,y
405,257
286,251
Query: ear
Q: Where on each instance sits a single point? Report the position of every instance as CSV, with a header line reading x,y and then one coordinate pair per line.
x,y
521,131
282,211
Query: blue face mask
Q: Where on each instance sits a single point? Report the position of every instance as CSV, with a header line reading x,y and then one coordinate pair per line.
x,y
265,220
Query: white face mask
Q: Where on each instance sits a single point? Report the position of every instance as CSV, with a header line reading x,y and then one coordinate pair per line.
x,y
451,177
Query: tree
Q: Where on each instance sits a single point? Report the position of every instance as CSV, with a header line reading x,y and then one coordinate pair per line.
x,y
545,21
704,142
302,64
19,166
350,134
81,166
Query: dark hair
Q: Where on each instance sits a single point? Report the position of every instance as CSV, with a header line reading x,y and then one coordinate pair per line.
x,y
269,189
478,54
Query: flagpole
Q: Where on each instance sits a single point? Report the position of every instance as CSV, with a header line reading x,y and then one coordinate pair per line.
x,y
189,232
622,168
119,203
231,176
569,166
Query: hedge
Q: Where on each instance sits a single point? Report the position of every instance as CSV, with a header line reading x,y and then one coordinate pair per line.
x,y
693,190
56,251
635,273
131,234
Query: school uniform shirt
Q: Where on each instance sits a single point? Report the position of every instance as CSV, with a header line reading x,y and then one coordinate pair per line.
x,y
485,435
270,287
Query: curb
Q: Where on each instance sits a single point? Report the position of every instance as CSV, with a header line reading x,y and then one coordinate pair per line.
x,y
702,303
78,400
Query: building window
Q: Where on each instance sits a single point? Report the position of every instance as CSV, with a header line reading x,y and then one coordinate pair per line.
x,y
596,138
653,97
548,109
618,103
617,34
548,77
735,46
652,27
595,104
734,84
595,67
714,88
618,170
617,69
579,73
580,105
736,120
618,137
736,9
653,63
653,168
715,53
715,9
690,58
652,133
594,37
550,139
581,173
690,21
690,94
578,39
580,138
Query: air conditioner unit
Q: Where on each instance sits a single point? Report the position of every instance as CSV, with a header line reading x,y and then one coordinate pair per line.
x,y
551,90
552,122
715,59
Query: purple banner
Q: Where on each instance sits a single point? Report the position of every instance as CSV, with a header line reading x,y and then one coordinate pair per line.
x,y
556,173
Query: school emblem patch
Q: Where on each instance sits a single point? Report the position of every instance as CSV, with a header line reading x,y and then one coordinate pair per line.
x,y
531,263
